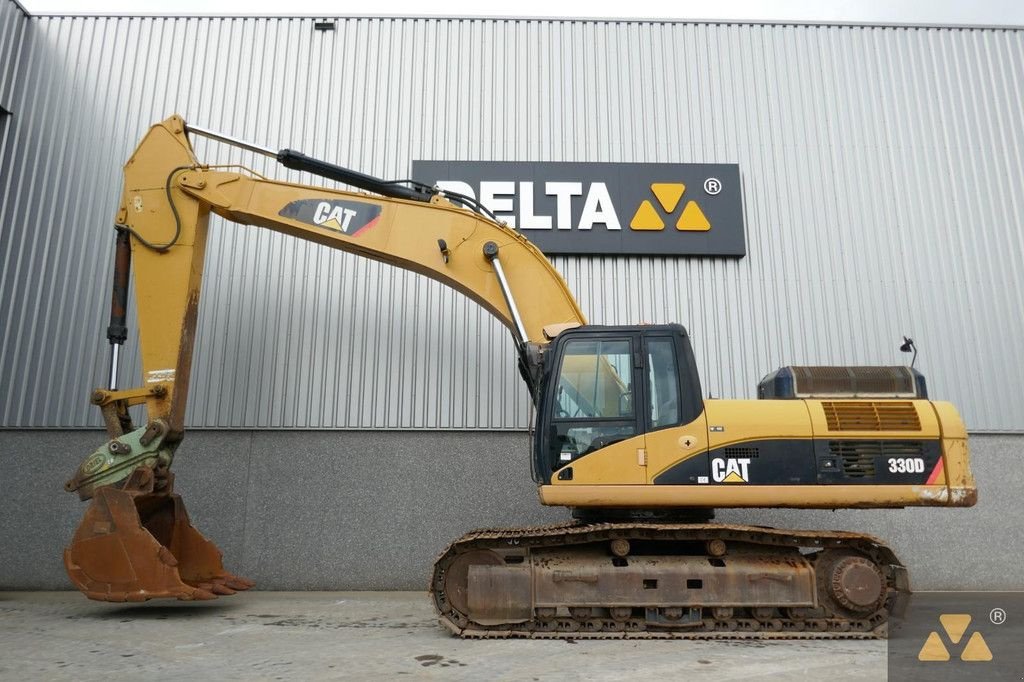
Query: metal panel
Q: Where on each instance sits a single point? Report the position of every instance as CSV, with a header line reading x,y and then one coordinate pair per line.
x,y
881,169
13,22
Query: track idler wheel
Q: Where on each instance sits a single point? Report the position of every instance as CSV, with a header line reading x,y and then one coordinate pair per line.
x,y
134,545
852,582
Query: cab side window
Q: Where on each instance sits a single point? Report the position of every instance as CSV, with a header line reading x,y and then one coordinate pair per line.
x,y
663,382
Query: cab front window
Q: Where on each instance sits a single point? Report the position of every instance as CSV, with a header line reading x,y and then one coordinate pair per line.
x,y
594,399
595,381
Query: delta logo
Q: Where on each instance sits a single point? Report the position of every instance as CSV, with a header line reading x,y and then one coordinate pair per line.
x,y
599,208
668,196
516,203
955,626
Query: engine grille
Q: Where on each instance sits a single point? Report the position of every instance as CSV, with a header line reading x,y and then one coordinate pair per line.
x,y
871,416
859,457
895,381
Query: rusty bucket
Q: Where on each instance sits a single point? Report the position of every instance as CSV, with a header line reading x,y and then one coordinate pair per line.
x,y
136,543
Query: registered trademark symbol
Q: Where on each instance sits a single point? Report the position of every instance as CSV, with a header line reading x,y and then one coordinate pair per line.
x,y
997,616
712,186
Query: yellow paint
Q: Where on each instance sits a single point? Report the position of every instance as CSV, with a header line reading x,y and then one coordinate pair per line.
x,y
666,447
746,420
646,218
955,625
733,478
563,493
948,418
166,283
933,649
614,464
692,219
957,463
955,454
741,421
976,649
668,194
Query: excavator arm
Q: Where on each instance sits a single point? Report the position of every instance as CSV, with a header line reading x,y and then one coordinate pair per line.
x,y
168,197
135,542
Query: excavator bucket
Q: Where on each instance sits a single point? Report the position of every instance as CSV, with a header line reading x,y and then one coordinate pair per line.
x,y
138,547
136,543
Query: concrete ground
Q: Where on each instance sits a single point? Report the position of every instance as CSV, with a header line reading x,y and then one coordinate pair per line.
x,y
361,635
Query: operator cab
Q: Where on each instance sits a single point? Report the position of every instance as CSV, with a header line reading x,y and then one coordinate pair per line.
x,y
602,385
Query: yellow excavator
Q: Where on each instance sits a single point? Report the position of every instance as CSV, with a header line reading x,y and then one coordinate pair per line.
x,y
623,435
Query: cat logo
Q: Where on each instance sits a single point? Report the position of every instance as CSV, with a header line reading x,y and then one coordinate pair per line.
x,y
668,194
340,215
730,470
955,625
329,215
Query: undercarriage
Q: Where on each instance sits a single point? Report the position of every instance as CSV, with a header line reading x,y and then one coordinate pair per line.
x,y
667,580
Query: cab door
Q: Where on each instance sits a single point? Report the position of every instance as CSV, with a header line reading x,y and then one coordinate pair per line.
x,y
595,432
676,426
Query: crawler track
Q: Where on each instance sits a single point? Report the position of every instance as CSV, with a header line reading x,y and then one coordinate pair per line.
x,y
843,585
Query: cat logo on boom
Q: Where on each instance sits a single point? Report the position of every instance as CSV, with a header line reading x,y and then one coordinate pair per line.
x,y
328,215
341,215
730,470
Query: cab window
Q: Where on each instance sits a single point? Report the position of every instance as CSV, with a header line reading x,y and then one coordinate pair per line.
x,y
595,381
594,399
662,382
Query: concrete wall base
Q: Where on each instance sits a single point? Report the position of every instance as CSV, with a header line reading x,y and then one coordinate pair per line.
x,y
370,510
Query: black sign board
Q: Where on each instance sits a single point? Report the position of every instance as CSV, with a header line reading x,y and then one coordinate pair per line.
x,y
670,209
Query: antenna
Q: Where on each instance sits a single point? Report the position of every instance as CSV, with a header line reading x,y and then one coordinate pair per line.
x,y
909,345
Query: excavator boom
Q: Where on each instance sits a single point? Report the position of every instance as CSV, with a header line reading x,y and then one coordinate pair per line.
x,y
136,541
168,196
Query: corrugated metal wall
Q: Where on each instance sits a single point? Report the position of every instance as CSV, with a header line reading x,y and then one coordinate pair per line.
x,y
13,21
882,170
